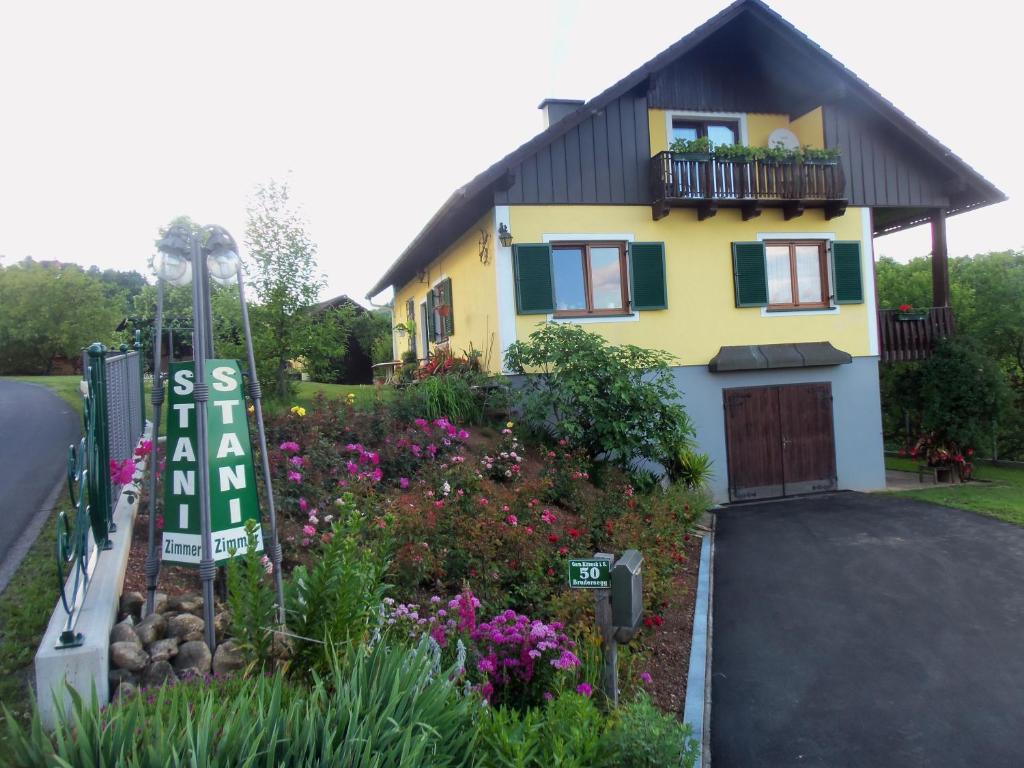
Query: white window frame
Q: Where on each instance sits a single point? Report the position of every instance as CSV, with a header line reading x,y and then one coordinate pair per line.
x,y
829,238
739,117
620,237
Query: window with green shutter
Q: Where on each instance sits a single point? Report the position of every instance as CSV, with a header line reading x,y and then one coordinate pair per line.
x,y
846,274
535,292
440,312
431,320
448,314
749,275
647,276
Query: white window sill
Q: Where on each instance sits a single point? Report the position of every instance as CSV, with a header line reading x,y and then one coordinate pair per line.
x,y
630,318
765,312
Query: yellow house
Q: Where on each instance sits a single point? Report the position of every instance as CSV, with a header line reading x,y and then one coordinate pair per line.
x,y
719,203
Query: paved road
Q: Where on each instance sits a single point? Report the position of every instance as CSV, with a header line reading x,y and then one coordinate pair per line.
x,y
36,428
858,630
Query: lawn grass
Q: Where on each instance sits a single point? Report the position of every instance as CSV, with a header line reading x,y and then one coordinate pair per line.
x,y
25,609
366,394
1000,496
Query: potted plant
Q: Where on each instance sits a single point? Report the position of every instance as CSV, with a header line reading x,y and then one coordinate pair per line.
x,y
443,310
779,155
814,156
698,149
408,327
737,153
908,313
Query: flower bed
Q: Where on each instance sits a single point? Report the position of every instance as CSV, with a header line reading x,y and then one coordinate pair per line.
x,y
472,532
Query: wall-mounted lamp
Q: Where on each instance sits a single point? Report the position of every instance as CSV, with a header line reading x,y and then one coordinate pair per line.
x,y
504,235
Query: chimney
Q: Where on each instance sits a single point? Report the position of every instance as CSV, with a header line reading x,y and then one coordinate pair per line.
x,y
555,109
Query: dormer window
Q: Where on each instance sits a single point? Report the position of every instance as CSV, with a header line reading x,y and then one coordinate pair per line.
x,y
718,131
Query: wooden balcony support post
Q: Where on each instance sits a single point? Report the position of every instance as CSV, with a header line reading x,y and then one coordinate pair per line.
x,y
940,260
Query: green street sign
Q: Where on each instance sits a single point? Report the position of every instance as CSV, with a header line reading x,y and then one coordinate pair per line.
x,y
233,497
593,573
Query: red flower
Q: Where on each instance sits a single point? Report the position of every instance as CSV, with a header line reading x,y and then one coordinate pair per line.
x,y
563,550
574,533
905,307
553,538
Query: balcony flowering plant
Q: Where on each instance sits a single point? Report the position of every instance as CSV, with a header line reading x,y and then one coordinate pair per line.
x,y
938,453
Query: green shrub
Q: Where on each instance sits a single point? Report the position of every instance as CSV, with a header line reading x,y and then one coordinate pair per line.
x,y
619,402
381,707
641,736
250,599
449,396
332,603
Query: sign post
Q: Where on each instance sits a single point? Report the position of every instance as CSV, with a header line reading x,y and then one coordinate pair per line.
x,y
233,497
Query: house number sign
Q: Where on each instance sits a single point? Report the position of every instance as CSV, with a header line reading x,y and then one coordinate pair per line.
x,y
590,574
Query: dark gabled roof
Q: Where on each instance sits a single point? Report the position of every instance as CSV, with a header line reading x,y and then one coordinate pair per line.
x,y
468,203
340,301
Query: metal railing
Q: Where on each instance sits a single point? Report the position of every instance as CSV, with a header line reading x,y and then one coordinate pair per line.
x,y
113,421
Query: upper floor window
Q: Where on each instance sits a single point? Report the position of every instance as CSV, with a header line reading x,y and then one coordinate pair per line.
x,y
718,131
589,278
797,273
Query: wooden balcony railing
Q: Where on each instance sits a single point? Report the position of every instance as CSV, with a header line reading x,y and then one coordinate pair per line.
x,y
749,185
903,340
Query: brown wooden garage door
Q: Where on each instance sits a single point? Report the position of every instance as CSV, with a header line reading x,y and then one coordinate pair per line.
x,y
780,440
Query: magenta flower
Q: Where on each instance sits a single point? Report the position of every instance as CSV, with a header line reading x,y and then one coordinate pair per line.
x,y
303,504
585,689
646,677
403,483
512,520
295,477
377,475
296,461
309,530
289,446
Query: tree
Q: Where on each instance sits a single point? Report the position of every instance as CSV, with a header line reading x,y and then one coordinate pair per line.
x,y
284,277
51,310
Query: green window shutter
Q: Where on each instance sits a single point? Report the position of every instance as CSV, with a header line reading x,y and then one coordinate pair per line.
x,y
647,276
535,289
410,319
749,274
431,319
846,282
446,295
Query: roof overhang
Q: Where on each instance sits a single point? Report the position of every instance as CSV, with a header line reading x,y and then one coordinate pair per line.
x,y
759,357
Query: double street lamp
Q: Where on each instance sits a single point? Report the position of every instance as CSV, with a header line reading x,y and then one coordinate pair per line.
x,y
186,255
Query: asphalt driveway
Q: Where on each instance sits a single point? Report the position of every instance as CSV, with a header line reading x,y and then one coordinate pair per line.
x,y
862,630
36,427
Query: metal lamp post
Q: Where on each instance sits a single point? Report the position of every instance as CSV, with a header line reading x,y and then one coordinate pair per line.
x,y
185,256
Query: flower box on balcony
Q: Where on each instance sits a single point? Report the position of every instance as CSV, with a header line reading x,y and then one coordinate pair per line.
x,y
909,316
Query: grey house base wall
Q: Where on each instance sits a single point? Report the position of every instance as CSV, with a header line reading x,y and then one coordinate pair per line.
x,y
856,411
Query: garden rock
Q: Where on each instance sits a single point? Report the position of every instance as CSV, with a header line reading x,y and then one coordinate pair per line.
x,y
185,603
131,603
158,673
128,656
151,628
184,624
193,654
124,632
162,650
198,635
118,677
159,602
228,658
222,625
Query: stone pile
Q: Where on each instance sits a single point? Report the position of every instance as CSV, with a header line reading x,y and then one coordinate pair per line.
x,y
168,645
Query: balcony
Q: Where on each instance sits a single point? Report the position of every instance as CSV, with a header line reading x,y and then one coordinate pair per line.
x,y
750,185
904,339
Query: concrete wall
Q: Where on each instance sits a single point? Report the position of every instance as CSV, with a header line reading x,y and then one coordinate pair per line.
x,y
856,412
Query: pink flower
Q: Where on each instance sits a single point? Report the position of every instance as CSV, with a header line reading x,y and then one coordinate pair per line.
x,y
295,477
377,475
144,448
463,434
303,504
646,677
289,446
512,520
309,530
305,542
403,483
585,689
296,461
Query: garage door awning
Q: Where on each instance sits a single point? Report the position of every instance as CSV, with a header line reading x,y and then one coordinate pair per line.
x,y
810,354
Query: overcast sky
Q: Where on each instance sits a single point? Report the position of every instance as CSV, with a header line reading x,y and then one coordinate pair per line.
x,y
116,117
